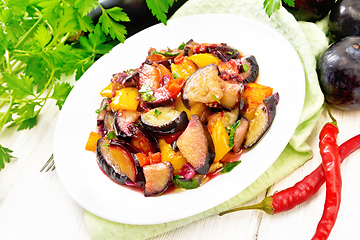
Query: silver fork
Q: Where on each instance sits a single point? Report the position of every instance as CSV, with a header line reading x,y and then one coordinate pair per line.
x,y
49,165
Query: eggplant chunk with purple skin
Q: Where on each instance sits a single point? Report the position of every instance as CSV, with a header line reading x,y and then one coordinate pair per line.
x,y
259,125
249,69
164,121
158,177
122,122
240,134
194,144
203,86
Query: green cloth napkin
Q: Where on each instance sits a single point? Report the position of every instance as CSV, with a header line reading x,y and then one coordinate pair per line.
x,y
297,151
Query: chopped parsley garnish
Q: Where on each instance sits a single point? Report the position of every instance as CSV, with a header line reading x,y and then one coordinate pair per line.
x,y
246,67
227,167
156,112
106,144
98,111
216,99
168,53
175,75
147,93
182,46
231,131
187,184
111,135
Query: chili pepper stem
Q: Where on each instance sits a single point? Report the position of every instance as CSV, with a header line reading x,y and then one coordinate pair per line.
x,y
331,116
265,205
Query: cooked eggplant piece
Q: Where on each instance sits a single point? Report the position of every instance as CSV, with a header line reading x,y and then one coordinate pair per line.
x,y
232,94
142,139
124,154
262,121
158,177
163,121
108,164
103,108
240,133
203,86
226,117
196,146
131,80
122,122
108,124
249,69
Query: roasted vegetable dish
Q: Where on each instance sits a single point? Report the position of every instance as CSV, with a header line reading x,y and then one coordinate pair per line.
x,y
182,117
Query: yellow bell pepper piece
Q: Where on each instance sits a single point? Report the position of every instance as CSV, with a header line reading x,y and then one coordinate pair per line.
x,y
196,109
168,154
92,141
107,91
183,69
125,99
204,59
220,138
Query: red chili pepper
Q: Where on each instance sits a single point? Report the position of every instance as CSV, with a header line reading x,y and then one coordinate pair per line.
x,y
288,198
329,151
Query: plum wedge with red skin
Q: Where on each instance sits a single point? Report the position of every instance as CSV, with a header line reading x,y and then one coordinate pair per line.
x,y
260,124
124,154
194,145
108,164
142,139
158,177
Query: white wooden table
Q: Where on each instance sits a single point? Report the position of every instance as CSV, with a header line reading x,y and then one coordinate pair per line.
x,y
35,206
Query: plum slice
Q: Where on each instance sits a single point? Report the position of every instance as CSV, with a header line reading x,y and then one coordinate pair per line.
x,y
108,164
164,121
259,125
158,177
203,86
142,139
124,154
196,146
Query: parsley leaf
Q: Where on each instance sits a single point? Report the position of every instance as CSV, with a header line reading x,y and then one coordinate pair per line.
x,y
61,91
231,131
246,67
146,93
111,135
5,156
216,99
182,46
86,6
116,30
227,167
184,183
271,6
159,8
156,112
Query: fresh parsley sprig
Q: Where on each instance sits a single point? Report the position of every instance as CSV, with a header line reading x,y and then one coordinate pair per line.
x,y
42,41
271,6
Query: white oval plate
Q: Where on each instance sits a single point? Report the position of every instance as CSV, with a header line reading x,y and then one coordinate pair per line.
x,y
280,68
